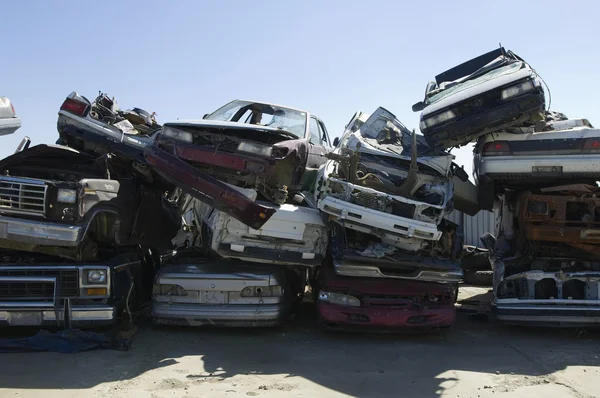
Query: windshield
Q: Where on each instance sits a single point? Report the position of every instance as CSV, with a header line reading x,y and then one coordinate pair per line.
x,y
513,67
290,120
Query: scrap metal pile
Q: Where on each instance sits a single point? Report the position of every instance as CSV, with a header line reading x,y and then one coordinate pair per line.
x,y
537,170
226,220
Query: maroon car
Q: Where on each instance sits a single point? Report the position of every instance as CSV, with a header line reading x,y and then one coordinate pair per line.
x,y
383,304
273,149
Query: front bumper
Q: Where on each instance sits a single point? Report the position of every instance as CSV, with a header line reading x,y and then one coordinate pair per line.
x,y
547,315
40,233
335,316
219,315
79,315
376,219
373,271
270,256
462,132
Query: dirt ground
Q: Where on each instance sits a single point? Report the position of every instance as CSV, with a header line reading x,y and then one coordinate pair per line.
x,y
474,359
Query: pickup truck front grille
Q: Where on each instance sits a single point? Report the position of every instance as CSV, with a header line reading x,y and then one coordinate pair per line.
x,y
24,290
22,195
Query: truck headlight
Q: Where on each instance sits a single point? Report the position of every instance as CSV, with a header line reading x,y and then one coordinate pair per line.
x,y
517,89
439,118
257,149
338,298
177,134
95,276
66,195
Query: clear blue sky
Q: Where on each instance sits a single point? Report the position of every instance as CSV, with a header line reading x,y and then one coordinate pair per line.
x,y
186,58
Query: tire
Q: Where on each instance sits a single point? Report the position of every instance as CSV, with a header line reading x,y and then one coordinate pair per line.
x,y
478,261
478,278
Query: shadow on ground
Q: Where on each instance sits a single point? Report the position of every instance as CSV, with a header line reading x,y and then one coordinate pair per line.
x,y
499,358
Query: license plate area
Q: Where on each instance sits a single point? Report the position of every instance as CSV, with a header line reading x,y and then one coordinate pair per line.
x,y
213,297
546,171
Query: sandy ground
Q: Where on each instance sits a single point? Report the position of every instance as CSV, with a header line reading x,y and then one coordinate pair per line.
x,y
474,359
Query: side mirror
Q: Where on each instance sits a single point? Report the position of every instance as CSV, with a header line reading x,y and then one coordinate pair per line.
x,y
336,141
418,107
205,116
461,173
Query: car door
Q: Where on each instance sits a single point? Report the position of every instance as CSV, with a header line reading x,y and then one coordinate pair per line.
x,y
317,142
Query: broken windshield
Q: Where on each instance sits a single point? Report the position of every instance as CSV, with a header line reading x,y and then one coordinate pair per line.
x,y
290,120
513,67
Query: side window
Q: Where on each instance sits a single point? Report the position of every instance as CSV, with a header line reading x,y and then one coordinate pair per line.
x,y
323,134
313,130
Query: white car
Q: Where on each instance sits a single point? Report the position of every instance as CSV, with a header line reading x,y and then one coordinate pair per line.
x,y
564,151
9,122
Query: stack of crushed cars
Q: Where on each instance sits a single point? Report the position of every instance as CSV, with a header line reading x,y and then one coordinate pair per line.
x,y
537,171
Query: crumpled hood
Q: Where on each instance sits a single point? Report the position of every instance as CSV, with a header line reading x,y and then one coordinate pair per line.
x,y
218,124
384,135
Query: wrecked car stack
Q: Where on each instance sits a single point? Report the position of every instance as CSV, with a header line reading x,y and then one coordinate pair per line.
x,y
537,170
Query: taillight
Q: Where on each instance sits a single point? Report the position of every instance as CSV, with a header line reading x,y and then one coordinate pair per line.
x,y
76,107
496,148
591,145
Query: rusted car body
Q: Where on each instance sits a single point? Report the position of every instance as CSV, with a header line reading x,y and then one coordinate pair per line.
x,y
383,304
59,201
273,149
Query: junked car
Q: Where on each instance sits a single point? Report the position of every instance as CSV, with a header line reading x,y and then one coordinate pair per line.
x,y
48,291
294,236
62,202
102,127
9,122
203,291
390,191
492,92
562,152
273,149
545,257
382,304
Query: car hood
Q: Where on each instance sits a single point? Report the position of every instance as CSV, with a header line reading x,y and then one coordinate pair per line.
x,y
479,85
222,125
384,135
43,152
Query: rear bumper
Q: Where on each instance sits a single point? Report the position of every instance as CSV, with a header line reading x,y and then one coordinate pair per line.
x,y
219,315
270,256
547,315
40,232
384,319
79,315
510,114
523,167
9,125
374,271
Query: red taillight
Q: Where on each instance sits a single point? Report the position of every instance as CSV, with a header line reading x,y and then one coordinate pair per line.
x,y
496,148
76,107
592,145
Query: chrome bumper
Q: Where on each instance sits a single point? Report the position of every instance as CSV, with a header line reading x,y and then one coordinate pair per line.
x,y
547,315
219,315
79,316
425,275
40,232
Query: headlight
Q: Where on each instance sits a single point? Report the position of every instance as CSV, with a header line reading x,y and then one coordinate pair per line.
x,y
517,89
262,291
338,298
257,149
177,134
95,276
66,195
440,118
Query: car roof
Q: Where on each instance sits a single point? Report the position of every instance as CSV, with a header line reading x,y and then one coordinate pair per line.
x,y
272,104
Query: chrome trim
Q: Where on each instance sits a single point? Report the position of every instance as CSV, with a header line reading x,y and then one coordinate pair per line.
x,y
78,314
19,197
40,232
30,304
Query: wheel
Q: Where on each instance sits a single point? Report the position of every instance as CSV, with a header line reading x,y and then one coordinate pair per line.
x,y
479,278
478,261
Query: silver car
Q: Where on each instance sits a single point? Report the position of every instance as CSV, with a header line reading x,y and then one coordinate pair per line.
x,y
220,292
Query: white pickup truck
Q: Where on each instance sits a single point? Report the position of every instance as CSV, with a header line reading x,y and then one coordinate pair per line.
x,y
563,151
9,122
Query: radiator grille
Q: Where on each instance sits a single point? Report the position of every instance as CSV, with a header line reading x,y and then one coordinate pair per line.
x,y
19,195
68,283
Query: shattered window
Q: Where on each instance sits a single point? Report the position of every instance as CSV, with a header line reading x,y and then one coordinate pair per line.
x,y
315,137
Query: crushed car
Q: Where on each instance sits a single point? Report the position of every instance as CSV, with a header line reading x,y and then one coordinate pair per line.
x,y
273,149
59,201
102,127
492,92
388,193
563,151
9,122
545,257
200,291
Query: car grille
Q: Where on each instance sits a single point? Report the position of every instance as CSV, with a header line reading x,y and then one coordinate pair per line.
x,y
19,195
68,284
370,201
